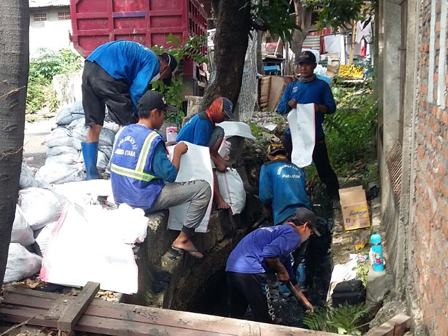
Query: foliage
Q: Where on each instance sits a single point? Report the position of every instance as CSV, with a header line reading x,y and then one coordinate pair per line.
x,y
342,320
274,16
362,271
191,48
41,72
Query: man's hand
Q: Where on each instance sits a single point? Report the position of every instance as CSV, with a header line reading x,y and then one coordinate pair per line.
x,y
310,307
283,276
221,166
181,148
320,108
292,103
267,212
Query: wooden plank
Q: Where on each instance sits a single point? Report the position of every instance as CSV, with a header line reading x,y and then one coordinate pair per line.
x,y
16,314
28,301
30,292
78,306
59,307
101,325
394,327
276,330
402,322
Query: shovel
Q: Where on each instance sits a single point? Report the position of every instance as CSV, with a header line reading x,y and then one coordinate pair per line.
x,y
297,295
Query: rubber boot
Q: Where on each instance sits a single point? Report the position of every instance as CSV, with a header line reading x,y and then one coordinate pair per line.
x,y
90,153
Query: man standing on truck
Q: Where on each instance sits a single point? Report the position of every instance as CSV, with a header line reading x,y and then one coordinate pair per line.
x,y
117,74
143,177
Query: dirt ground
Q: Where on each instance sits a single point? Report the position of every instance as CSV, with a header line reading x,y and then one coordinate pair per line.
x,y
35,134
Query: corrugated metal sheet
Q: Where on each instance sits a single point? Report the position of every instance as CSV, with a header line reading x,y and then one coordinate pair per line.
x,y
312,42
49,3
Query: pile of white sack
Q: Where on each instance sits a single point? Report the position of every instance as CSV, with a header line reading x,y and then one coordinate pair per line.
x,y
65,162
37,211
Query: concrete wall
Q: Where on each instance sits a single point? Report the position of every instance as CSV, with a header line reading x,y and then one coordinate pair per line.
x,y
417,222
52,33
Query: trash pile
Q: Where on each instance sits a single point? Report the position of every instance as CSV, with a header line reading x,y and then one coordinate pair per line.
x,y
65,162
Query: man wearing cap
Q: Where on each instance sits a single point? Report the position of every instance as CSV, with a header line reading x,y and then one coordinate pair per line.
x,y
308,89
143,177
266,250
201,130
117,74
282,185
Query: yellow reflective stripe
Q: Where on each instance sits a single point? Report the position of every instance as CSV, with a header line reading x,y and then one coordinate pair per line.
x,y
116,139
145,150
132,173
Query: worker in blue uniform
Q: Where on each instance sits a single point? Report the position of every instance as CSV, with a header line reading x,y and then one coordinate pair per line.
x,y
116,75
266,250
143,177
282,187
201,130
308,89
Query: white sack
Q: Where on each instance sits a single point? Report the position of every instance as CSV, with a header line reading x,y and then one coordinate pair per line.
x,y
62,137
303,132
43,237
66,159
232,190
27,179
61,173
107,136
84,248
21,230
236,128
21,263
60,150
68,114
40,207
194,165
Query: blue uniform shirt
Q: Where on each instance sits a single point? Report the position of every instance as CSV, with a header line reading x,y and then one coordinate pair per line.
x,y
269,242
130,61
198,130
317,92
283,187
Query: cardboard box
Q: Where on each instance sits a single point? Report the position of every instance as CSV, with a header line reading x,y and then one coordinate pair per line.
x,y
355,210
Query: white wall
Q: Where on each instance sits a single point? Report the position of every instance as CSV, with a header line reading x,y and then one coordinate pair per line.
x,y
52,33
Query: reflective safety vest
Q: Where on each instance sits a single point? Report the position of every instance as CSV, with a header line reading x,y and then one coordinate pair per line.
x,y
133,179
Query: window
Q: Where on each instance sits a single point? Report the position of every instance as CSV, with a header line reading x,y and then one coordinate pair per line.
x,y
40,17
64,16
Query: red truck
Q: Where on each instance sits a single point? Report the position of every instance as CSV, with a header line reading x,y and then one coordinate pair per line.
x,y
149,22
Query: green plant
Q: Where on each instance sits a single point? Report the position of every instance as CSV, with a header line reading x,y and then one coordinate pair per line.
x,y
342,320
362,271
191,48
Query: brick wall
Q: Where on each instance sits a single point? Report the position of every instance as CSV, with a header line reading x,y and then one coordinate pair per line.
x,y
430,223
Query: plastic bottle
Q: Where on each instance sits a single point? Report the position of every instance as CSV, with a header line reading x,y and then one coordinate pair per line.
x,y
171,133
377,253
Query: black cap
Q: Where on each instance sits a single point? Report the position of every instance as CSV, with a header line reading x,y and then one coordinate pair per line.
x,y
154,100
306,57
276,148
303,215
227,106
170,60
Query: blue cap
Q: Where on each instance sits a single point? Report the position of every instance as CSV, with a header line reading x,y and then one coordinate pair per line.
x,y
375,239
306,57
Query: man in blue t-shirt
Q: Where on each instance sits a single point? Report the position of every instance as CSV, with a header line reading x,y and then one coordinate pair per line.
x,y
143,177
266,250
117,74
308,89
201,130
282,185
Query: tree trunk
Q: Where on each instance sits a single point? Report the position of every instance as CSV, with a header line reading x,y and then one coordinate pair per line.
x,y
231,39
303,20
14,58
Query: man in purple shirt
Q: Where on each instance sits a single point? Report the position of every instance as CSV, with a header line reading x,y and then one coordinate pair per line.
x,y
266,250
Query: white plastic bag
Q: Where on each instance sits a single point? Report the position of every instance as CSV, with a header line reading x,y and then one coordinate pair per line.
x,y
43,237
303,133
231,187
67,159
60,150
61,173
21,263
21,230
224,149
27,179
40,207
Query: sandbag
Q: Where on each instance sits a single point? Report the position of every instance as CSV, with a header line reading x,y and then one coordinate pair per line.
x,y
27,179
303,133
67,159
107,136
21,263
21,231
68,114
40,206
62,137
43,237
107,150
231,187
61,173
59,150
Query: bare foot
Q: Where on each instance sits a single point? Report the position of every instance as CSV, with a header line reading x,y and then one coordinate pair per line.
x,y
221,204
187,246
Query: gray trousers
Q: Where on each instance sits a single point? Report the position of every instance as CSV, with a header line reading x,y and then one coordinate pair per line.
x,y
197,192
